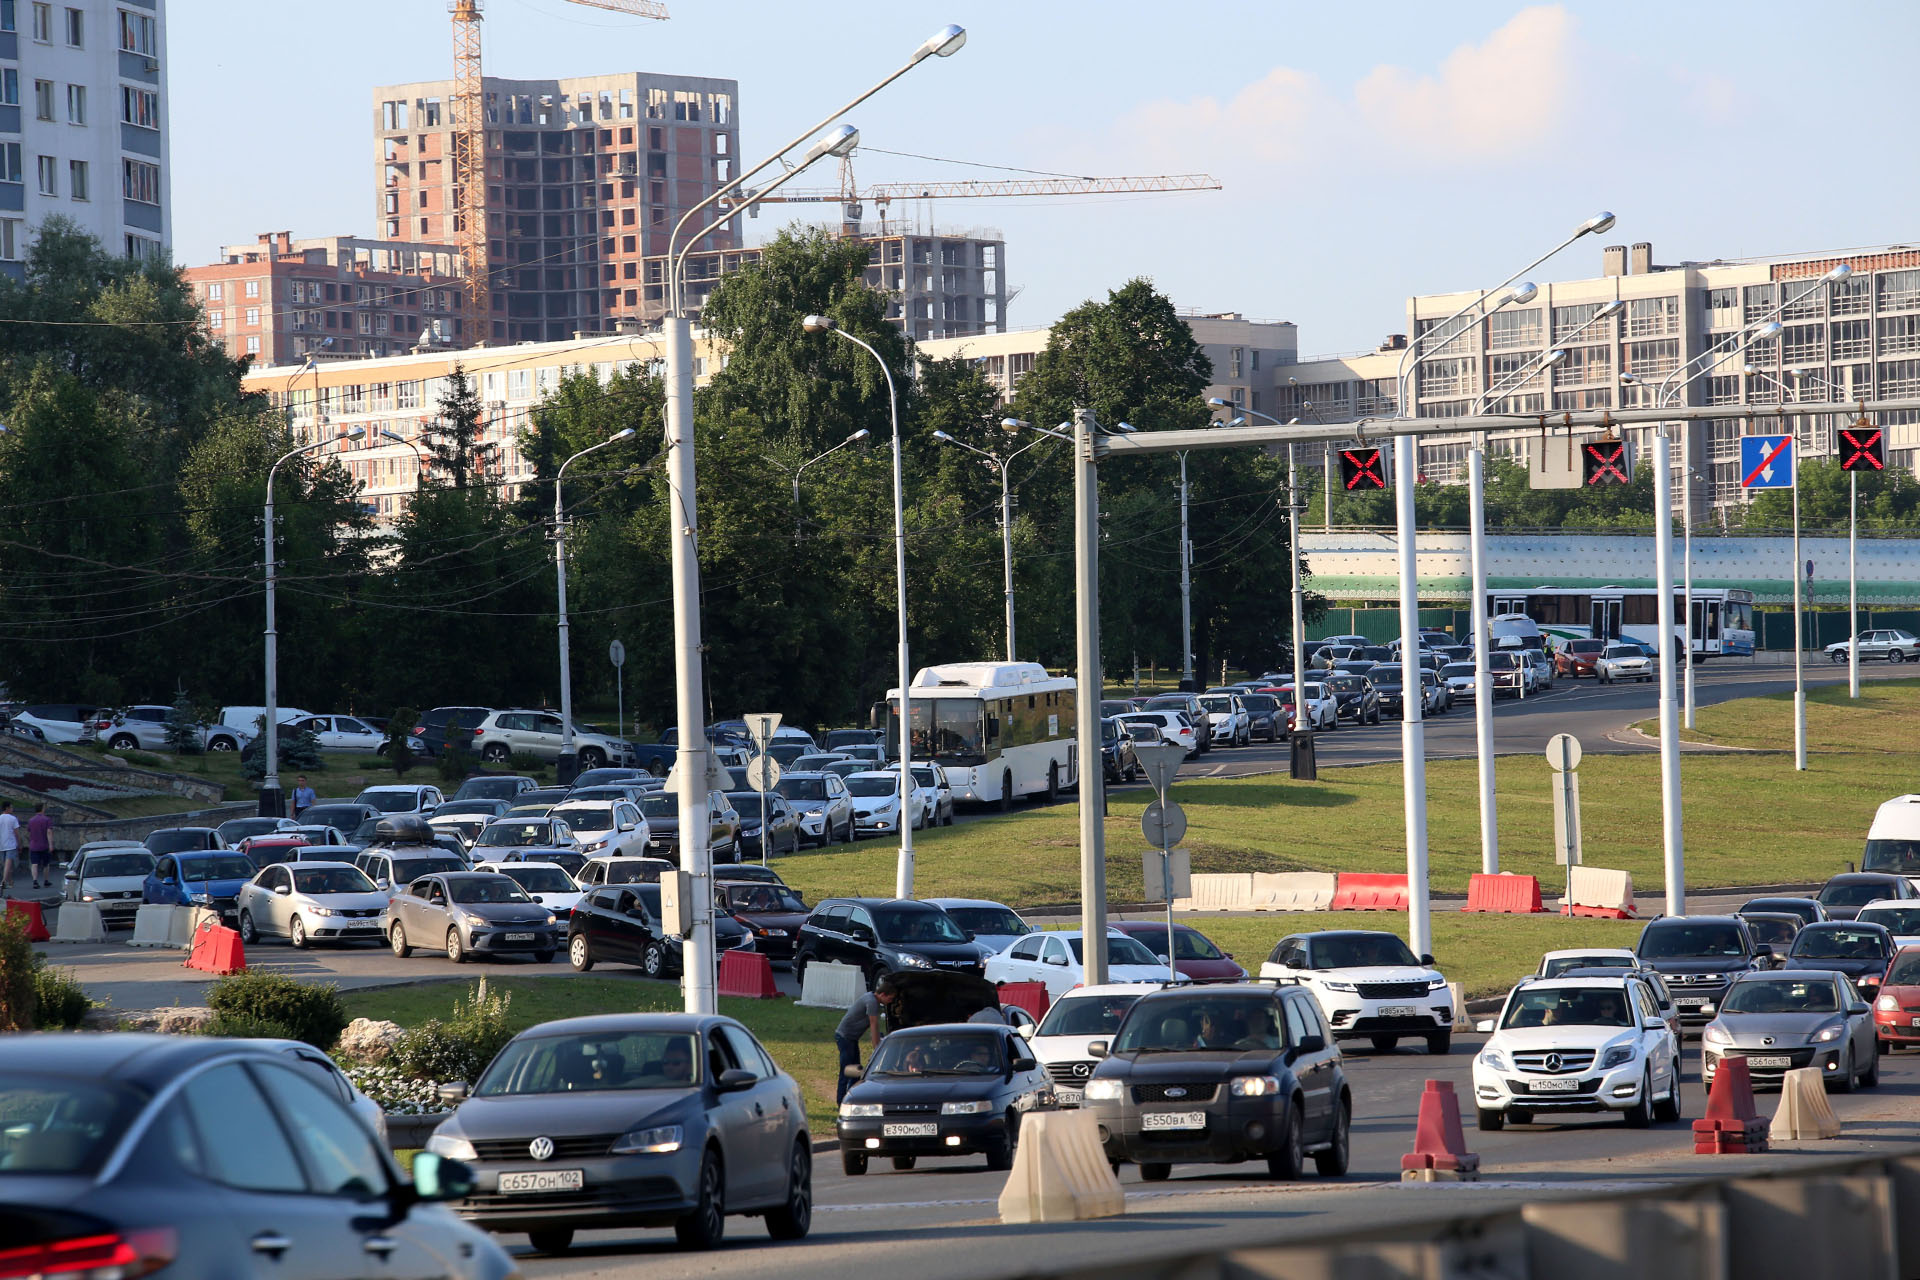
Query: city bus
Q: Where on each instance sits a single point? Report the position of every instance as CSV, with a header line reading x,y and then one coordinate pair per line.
x,y
998,730
1722,616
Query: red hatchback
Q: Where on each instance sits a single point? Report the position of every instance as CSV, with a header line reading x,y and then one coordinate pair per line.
x,y
1896,1012
1576,657
1194,954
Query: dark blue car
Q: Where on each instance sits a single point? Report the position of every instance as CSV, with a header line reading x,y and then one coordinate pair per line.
x,y
209,878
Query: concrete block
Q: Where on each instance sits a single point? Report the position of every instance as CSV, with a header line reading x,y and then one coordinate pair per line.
x,y
1597,891
154,927
186,924
831,986
1827,1226
1060,1172
1804,1112
79,922
1647,1239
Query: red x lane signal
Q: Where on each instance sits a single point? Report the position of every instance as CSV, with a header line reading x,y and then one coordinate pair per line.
x,y
1863,447
1604,462
1362,469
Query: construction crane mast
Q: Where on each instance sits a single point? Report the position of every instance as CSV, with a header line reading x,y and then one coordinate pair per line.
x,y
470,149
883,194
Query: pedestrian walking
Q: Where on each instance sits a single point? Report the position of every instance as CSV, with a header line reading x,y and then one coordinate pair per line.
x,y
862,1020
40,846
9,845
303,796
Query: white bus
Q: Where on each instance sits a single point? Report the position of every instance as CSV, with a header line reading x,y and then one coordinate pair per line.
x,y
999,730
1722,616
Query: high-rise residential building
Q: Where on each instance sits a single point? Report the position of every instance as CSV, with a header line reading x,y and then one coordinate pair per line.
x,y
585,178
83,89
280,300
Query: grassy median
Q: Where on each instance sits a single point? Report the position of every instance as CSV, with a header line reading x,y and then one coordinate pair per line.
x,y
1884,720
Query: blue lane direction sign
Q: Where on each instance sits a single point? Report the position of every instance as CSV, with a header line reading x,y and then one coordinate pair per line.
x,y
1766,462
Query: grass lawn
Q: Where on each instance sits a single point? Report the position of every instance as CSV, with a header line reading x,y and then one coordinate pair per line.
x,y
1884,720
800,1040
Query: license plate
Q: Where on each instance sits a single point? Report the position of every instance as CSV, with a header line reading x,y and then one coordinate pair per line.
x,y
1916,1022
910,1130
1174,1120
1069,1097
1554,1086
543,1180
519,937
1689,1002
1399,1011
1754,1061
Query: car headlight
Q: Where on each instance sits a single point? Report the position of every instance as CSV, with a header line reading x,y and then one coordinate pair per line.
x,y
1493,1060
1340,986
658,1140
552,918
1716,1034
912,961
593,846
200,899
1436,984
1827,1035
451,1148
1254,1086
1102,1091
965,1108
321,911
1887,1003
1618,1056
860,1111
86,897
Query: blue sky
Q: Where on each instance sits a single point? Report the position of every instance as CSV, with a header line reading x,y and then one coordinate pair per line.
x,y
1368,151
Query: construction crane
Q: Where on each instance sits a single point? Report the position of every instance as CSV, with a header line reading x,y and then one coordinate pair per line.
x,y
470,149
853,202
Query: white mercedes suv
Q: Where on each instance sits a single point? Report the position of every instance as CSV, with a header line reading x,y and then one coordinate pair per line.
x,y
1578,1044
1369,985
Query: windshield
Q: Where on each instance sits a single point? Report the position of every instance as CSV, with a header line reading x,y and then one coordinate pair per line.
x,y
1187,945
1260,703
960,1053
598,1063
1120,950
119,864
1824,942
1775,933
344,816
52,1126
860,786
1855,893
1560,964
1223,705
489,789
586,817
993,920
760,897
1174,1026
902,924
1345,684
1167,702
514,835
229,866
1901,857
660,806
1681,941
1085,1016
1782,995
391,801
1892,919
1504,661
1360,951
1622,651
331,880
176,840
1586,646
1905,971
541,879
494,889
1458,671
634,871
803,788
1567,1006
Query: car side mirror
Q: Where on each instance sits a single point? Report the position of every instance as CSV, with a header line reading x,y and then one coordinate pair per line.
x,y
1311,1044
1764,950
281,890
1654,1024
453,1091
1052,959
733,1080
1855,1009
1296,962
1025,1030
1097,1049
860,933
1427,961
436,1177
383,883
1484,1026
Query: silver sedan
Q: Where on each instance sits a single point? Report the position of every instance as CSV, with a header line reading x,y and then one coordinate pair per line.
x,y
1788,1019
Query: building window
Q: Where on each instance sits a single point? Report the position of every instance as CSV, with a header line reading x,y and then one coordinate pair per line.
x,y
253,346
1236,360
76,27
49,175
43,99
253,317
216,319
1852,339
252,289
1897,333
43,23
77,185
1759,300
10,236
1899,379
1584,364
141,249
1645,359
9,86
1509,329
140,107
1449,377
215,292
1805,344
1852,296
138,34
76,104
1653,317
6,15
10,162
1899,290
140,181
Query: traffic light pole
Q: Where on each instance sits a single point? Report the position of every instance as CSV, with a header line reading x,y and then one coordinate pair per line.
x,y
1799,676
1853,582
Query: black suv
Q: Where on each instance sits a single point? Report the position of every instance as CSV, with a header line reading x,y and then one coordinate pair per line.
x,y
1699,957
880,935
1354,697
621,923
1116,752
429,733
1222,1074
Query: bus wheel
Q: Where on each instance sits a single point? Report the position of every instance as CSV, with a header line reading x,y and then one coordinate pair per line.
x,y
1053,783
1006,792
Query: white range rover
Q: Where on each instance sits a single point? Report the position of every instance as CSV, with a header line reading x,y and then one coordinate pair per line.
x,y
1578,1044
1074,1021
1369,985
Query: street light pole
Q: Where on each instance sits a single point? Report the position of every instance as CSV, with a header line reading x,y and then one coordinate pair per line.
x,y
569,763
1001,464
1187,683
1091,683
859,435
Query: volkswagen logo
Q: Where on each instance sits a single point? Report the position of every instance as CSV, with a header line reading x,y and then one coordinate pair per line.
x,y
1081,1070
541,1148
1176,1092
1766,1039
1553,1062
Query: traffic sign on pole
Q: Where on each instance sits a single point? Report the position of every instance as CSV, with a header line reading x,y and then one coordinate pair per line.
x,y
1766,462
617,654
1563,752
1604,462
1163,826
1362,469
763,773
761,727
1161,761
1166,876
1862,447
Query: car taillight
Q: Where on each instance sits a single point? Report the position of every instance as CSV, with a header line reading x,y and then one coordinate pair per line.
x,y
476,733
97,1257
419,730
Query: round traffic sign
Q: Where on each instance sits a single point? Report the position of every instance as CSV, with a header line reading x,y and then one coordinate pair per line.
x,y
617,654
1563,752
763,773
1163,828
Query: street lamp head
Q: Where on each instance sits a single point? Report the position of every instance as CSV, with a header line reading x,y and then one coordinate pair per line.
x,y
1767,330
836,141
353,433
1125,426
624,433
943,43
818,324
943,436
1216,402
1628,379
1599,224
1839,273
1554,357
1522,292
1238,422
1293,422
390,436
861,434
1612,309
1013,424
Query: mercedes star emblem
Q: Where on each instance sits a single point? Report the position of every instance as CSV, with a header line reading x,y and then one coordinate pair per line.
x,y
541,1148
1176,1092
1553,1062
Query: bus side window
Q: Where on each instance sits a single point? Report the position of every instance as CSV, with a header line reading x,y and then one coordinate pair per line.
x,y
993,730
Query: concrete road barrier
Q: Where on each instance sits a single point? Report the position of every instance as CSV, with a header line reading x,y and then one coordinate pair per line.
x,y
153,926
1293,890
830,986
1804,1112
1505,893
1060,1172
1213,891
1596,891
187,922
1366,891
79,922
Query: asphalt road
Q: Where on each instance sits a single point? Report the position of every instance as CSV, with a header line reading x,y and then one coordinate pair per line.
x,y
909,1223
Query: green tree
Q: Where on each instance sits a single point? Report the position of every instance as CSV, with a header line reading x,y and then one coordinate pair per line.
x,y
455,442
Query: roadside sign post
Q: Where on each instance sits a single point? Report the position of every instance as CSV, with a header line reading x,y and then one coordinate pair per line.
x,y
1772,462
1164,824
1563,755
617,655
763,771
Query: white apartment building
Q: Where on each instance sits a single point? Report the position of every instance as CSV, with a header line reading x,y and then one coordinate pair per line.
x,y
1857,339
83,89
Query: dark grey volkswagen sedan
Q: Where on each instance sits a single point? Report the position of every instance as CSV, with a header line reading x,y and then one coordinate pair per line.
x,y
633,1120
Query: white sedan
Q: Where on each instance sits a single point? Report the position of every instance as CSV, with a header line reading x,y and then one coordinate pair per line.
x,y
343,733
1056,960
876,802
1173,727
615,829
1623,662
308,902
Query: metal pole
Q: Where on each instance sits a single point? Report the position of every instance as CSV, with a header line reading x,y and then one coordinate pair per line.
x,y
691,756
1092,793
1853,582
1186,587
568,766
1686,523
1006,549
1799,679
1326,491
1482,676
1301,724
1675,857
272,800
1413,739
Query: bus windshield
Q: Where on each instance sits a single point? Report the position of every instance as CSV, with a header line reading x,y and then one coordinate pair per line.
x,y
952,731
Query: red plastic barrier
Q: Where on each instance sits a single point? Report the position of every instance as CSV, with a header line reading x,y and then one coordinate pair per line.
x,y
747,973
1515,895
1438,1140
1732,1125
36,922
217,950
1031,996
1354,891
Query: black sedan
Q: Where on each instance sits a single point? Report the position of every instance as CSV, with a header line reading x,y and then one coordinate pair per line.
x,y
783,828
772,913
633,1120
126,1155
1355,697
951,1089
1861,951
1843,895
621,923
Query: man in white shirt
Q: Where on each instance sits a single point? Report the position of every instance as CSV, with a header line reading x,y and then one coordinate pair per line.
x,y
9,845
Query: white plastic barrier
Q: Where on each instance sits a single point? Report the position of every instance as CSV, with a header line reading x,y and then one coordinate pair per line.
x,y
831,986
186,923
153,926
79,922
1218,892
1293,890
1060,1173
1804,1110
1596,891
1457,993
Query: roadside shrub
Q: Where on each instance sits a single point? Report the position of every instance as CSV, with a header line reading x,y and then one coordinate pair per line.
x,y
460,1046
18,999
60,1002
249,1001
183,726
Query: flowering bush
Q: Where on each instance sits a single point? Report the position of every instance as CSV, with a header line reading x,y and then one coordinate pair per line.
x,y
397,1092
